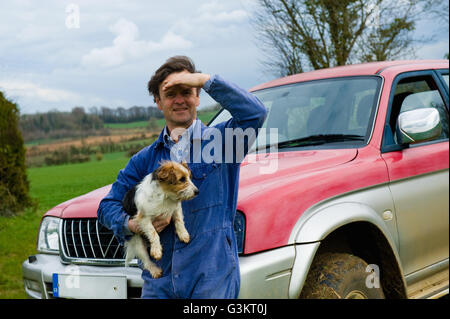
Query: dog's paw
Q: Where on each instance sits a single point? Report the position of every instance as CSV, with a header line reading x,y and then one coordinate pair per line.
x,y
156,252
156,272
184,237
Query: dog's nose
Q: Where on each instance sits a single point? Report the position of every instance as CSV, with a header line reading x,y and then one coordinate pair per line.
x,y
196,192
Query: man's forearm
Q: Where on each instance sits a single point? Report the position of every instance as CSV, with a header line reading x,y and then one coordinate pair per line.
x,y
247,110
111,215
185,78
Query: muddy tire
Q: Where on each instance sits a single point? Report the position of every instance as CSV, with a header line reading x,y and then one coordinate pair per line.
x,y
339,276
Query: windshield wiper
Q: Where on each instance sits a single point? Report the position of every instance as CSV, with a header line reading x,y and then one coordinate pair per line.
x,y
320,139
312,140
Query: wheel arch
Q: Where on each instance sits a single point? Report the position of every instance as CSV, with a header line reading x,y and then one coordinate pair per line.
x,y
350,227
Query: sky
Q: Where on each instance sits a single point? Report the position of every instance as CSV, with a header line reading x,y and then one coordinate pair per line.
x,y
56,54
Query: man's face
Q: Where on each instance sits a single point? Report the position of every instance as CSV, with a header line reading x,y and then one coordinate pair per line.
x,y
178,104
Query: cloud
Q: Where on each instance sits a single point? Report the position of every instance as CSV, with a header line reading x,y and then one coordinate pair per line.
x,y
224,17
126,46
216,12
32,91
434,50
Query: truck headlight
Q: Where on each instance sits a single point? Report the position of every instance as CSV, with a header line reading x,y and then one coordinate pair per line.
x,y
239,230
48,238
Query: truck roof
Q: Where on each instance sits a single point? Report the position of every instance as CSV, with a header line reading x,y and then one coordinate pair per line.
x,y
370,68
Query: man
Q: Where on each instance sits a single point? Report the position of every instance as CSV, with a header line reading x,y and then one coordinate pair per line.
x,y
206,267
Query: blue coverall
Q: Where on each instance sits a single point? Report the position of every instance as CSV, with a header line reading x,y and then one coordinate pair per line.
x,y
206,267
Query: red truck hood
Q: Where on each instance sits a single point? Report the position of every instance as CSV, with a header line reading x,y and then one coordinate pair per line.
x,y
252,178
273,203
264,172
84,206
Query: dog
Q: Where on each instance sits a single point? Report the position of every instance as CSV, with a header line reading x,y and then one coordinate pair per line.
x,y
159,194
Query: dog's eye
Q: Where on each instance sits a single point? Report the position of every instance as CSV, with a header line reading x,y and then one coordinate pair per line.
x,y
183,179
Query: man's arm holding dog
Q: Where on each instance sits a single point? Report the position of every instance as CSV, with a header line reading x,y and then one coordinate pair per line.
x,y
158,223
111,213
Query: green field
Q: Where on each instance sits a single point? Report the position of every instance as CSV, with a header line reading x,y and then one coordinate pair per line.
x,y
49,186
206,116
130,125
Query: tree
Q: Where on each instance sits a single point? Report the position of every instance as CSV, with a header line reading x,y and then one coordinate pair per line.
x,y
281,39
389,33
13,179
152,124
303,34
438,9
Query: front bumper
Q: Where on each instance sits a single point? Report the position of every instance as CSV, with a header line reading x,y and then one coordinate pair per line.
x,y
38,275
263,275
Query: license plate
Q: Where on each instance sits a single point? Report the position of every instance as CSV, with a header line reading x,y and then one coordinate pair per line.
x,y
89,287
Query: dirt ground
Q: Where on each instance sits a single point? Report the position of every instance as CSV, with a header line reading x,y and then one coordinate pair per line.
x,y
88,141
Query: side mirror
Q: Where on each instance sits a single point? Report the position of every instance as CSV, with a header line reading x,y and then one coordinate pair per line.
x,y
418,125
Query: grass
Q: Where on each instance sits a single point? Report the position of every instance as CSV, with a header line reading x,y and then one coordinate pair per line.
x,y
49,186
206,116
130,125
17,241
52,185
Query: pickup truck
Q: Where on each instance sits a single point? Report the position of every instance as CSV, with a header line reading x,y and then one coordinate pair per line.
x,y
352,201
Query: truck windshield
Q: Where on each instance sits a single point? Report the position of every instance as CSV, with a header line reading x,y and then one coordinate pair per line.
x,y
340,107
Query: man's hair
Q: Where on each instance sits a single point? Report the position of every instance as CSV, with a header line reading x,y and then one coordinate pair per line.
x,y
174,64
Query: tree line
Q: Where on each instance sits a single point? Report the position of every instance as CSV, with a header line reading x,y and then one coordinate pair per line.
x,y
123,115
79,123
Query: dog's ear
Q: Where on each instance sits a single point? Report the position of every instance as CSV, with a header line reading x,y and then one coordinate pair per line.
x,y
128,202
165,173
156,173
185,165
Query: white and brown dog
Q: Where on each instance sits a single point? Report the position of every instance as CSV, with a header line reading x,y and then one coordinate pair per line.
x,y
158,195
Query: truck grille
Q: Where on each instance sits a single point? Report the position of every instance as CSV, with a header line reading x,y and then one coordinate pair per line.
x,y
87,239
